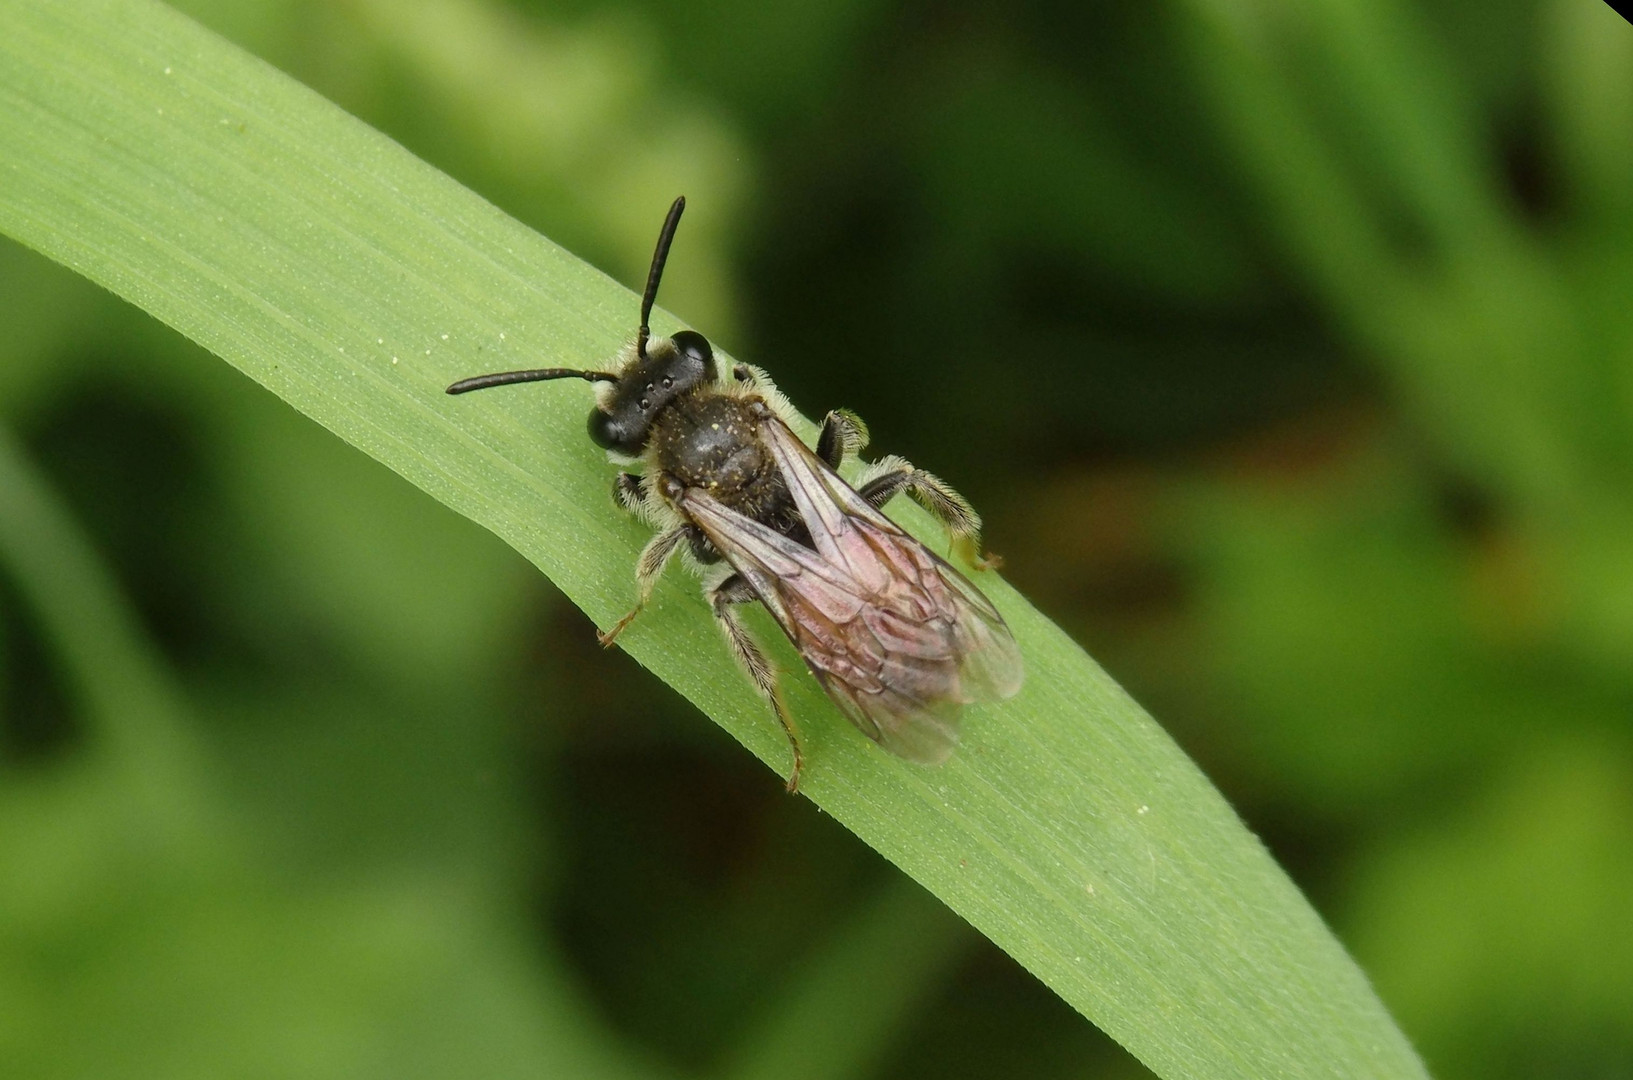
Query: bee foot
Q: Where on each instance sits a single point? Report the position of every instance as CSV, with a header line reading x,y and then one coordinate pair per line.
x,y
970,549
611,636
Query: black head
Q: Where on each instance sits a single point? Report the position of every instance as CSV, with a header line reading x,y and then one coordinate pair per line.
x,y
667,370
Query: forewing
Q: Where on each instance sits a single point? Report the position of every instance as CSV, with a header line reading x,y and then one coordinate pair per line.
x,y
990,665
898,638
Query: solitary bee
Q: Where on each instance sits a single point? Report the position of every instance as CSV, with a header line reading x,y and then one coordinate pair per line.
x,y
897,637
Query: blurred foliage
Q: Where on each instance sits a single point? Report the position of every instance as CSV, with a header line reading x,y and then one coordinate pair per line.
x,y
1285,345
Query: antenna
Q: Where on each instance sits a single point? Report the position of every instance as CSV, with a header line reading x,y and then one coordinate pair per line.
x,y
505,378
666,236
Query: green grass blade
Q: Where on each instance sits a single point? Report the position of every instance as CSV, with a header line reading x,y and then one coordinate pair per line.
x,y
121,688
355,282
900,946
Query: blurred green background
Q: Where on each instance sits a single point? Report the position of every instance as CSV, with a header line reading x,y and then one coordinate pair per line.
x,y
1287,347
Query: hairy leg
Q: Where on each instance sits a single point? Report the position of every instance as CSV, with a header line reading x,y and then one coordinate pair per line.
x,y
935,495
648,568
722,598
626,492
842,435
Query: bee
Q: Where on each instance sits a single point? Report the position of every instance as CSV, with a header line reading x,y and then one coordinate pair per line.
x,y
898,638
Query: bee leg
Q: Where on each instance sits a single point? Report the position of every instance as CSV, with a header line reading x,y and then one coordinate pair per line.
x,y
626,492
842,435
648,568
944,504
736,590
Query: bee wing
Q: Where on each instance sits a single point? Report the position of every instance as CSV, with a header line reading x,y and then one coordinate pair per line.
x,y
898,638
990,666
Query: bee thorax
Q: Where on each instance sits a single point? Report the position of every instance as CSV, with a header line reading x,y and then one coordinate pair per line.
x,y
709,441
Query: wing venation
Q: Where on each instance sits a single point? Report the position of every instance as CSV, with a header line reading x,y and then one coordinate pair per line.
x,y
899,639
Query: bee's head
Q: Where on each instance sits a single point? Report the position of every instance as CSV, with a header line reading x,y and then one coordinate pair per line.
x,y
666,369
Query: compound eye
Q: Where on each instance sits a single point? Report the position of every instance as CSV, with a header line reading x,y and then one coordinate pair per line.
x,y
609,433
695,347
